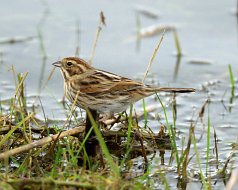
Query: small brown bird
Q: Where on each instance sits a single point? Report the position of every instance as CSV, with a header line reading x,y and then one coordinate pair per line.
x,y
102,91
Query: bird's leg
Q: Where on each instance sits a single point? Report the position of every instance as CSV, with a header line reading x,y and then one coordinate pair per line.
x,y
95,116
91,145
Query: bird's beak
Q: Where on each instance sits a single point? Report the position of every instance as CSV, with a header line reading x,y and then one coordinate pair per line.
x,y
57,64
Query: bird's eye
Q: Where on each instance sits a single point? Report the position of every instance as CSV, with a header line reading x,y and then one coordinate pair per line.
x,y
69,64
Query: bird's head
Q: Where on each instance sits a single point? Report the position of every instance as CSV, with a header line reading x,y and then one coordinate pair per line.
x,y
72,66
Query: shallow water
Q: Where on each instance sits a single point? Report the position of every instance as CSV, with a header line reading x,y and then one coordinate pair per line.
x,y
208,37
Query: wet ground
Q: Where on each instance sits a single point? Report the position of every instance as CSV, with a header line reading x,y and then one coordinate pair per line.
x,y
208,38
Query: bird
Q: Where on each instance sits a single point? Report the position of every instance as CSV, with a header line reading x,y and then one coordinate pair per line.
x,y
102,91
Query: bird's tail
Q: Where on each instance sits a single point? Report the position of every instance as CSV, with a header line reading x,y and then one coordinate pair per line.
x,y
175,90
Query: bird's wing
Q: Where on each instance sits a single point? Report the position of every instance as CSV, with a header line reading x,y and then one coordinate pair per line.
x,y
126,85
104,82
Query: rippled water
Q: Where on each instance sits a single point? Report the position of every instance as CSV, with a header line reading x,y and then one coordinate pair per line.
x,y
207,33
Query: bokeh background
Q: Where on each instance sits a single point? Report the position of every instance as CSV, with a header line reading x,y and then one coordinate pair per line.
x,y
207,32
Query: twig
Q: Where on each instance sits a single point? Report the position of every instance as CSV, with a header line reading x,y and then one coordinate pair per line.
x,y
21,83
101,22
22,182
140,138
48,79
17,40
153,57
41,142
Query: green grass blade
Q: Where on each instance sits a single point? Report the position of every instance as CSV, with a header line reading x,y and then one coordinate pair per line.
x,y
0,106
177,44
6,137
42,45
208,142
56,164
170,131
145,113
113,166
129,128
85,139
231,77
198,160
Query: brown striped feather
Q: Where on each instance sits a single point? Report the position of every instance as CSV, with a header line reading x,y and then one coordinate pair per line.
x,y
101,90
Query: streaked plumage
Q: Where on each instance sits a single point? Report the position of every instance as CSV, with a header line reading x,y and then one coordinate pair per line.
x,y
103,91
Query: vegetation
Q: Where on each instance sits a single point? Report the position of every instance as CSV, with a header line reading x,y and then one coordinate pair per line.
x,y
37,154
50,154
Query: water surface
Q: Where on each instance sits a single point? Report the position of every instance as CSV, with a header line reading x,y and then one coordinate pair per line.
x,y
207,33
